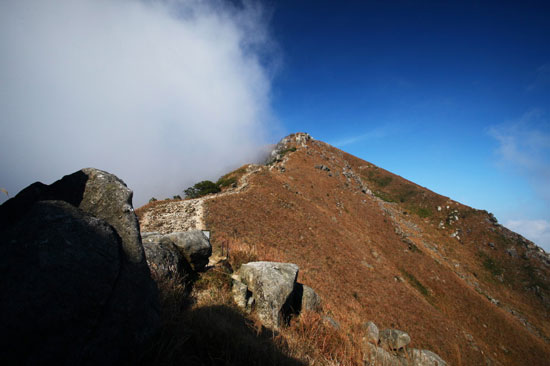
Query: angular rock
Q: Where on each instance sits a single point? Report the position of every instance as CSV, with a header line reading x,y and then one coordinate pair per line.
x,y
310,300
194,246
128,315
394,338
422,357
331,322
240,294
374,356
164,258
108,198
372,333
271,285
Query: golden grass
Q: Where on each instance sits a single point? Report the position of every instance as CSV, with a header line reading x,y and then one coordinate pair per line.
x,y
348,250
205,327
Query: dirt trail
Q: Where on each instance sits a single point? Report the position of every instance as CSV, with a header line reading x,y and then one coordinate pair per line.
x,y
171,216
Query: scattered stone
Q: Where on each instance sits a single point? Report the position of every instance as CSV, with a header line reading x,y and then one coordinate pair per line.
x,y
369,266
322,167
512,252
310,300
422,357
492,219
373,356
394,339
330,321
372,334
492,245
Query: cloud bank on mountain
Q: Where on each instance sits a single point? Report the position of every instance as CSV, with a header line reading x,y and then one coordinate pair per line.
x,y
161,93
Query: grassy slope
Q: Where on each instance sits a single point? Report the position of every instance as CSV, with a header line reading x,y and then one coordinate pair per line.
x,y
348,249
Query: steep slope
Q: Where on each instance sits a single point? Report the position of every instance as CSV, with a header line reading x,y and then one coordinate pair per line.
x,y
378,247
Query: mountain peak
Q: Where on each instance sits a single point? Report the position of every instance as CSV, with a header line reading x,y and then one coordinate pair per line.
x,y
377,247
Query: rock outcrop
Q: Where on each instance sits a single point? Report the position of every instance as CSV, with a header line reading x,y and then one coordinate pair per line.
x,y
394,339
75,285
270,285
389,348
372,333
309,300
179,254
271,289
164,258
194,246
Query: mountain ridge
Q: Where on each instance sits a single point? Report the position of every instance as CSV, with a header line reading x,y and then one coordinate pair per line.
x,y
379,247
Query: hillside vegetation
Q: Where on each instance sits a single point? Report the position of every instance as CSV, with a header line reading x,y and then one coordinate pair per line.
x,y
376,247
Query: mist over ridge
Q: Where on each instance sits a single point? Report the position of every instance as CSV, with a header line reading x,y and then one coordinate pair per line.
x,y
161,93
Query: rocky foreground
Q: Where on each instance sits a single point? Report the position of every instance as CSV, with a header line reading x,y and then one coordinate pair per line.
x,y
77,282
323,249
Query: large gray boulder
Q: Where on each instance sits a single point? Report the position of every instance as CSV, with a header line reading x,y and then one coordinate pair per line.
x,y
75,285
271,286
194,246
179,254
164,258
394,339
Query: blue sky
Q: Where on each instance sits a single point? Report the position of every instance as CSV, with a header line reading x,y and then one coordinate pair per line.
x,y
454,96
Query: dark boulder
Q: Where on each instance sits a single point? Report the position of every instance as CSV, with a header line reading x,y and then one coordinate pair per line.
x,y
74,276
164,258
194,246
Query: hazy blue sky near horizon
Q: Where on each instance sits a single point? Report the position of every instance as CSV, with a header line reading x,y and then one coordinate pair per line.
x,y
452,95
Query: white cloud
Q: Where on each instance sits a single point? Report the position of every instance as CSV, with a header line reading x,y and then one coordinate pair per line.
x,y
538,231
374,134
160,93
524,147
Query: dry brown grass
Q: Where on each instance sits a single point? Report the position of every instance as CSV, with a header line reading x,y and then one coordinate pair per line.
x,y
204,327
330,229
348,250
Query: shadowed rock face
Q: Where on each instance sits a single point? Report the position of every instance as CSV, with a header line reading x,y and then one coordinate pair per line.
x,y
178,254
194,246
74,276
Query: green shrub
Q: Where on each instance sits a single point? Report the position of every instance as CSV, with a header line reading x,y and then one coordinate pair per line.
x,y
202,189
285,151
226,182
492,266
415,282
422,212
383,196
